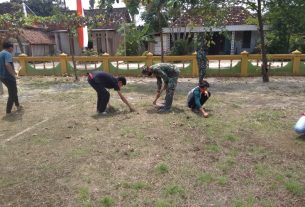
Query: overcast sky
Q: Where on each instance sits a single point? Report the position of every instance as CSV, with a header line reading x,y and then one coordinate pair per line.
x,y
72,4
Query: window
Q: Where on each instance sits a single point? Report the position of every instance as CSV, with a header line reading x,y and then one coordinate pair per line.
x,y
246,39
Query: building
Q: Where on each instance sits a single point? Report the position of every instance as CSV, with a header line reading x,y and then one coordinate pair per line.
x,y
239,37
104,38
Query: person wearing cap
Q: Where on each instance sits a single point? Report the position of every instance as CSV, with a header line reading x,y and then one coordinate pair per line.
x,y
169,73
101,81
300,125
197,97
8,77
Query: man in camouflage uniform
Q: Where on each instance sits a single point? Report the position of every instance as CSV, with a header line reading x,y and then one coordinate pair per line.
x,y
202,63
169,73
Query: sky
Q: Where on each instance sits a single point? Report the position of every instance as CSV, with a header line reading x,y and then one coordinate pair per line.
x,y
72,4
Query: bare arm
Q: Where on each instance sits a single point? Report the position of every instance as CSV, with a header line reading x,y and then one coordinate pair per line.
x,y
125,101
159,94
10,69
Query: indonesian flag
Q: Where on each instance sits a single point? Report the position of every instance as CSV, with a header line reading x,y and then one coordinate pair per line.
x,y
82,31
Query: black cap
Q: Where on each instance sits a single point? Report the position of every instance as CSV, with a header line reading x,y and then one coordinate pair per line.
x,y
204,84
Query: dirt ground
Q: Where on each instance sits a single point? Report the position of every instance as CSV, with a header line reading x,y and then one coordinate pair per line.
x,y
59,152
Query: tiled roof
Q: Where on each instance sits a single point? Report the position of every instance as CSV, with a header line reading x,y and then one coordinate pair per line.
x,y
117,16
37,37
235,16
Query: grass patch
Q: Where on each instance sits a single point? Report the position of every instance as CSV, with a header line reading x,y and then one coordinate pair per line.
x,y
84,197
231,138
174,190
135,186
162,168
207,178
213,148
249,202
106,201
162,204
294,187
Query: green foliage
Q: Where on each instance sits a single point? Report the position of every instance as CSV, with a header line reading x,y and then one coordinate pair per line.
x,y
42,7
182,47
135,39
89,53
287,22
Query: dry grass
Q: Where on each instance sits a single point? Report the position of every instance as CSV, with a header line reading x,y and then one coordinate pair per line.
x,y
59,153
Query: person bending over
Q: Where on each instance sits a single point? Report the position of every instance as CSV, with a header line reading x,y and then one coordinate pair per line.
x,y
101,81
169,73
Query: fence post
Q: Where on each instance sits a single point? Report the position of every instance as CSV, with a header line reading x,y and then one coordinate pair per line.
x,y
149,59
105,59
22,62
63,63
296,62
244,63
195,69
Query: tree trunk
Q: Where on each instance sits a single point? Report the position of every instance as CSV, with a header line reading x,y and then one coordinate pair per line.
x,y
263,47
71,40
20,44
161,36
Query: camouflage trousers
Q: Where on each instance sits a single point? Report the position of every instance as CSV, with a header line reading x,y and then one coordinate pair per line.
x,y
171,86
202,72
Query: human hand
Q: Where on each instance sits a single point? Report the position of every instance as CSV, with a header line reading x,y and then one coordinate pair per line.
x,y
206,93
205,114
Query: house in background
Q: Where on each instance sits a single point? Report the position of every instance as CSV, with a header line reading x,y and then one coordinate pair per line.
x,y
240,35
103,38
35,42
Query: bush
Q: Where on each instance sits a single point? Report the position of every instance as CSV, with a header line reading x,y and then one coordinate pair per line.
x,y
182,47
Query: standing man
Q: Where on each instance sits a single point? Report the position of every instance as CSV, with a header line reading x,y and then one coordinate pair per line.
x,y
102,81
169,73
8,77
202,63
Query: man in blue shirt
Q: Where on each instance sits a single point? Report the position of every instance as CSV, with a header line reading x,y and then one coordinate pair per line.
x,y
102,81
197,97
8,76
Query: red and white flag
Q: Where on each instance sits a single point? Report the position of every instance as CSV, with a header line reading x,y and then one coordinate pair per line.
x,y
82,31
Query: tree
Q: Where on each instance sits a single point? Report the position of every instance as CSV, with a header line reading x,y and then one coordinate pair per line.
x,y
91,2
135,39
258,7
12,25
287,24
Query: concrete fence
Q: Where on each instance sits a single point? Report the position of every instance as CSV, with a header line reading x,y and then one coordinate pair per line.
x,y
241,65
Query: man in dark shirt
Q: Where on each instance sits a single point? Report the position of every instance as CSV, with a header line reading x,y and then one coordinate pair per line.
x,y
169,73
8,77
102,81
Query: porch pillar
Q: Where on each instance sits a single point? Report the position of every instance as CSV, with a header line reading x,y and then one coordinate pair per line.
x,y
232,51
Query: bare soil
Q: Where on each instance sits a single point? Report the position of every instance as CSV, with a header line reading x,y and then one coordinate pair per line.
x,y
59,152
